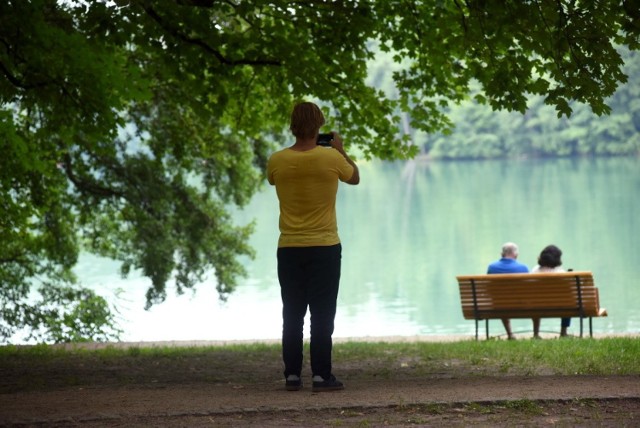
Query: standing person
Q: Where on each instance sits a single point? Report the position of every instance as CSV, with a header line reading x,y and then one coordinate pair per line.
x,y
309,250
550,260
508,263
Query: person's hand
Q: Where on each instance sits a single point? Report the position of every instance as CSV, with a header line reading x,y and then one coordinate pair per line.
x,y
336,142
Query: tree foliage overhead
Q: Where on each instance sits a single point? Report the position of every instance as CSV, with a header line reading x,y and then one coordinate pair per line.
x,y
481,133
129,127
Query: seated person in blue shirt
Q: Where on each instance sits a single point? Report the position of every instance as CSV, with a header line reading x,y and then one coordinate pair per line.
x,y
508,264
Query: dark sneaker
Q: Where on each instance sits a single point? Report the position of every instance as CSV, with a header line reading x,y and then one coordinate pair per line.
x,y
293,383
329,384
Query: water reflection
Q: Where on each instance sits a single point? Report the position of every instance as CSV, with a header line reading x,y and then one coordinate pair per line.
x,y
407,231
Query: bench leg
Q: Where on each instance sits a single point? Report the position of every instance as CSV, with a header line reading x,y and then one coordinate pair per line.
x,y
591,327
486,328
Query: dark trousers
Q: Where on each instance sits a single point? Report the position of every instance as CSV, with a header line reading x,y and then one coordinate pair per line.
x,y
309,277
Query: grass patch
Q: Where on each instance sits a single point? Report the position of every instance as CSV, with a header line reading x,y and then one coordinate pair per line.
x,y
607,356
528,407
619,356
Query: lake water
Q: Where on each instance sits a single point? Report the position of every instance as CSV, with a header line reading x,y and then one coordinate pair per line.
x,y
407,230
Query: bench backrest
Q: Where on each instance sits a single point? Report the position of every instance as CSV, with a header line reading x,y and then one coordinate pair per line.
x,y
525,295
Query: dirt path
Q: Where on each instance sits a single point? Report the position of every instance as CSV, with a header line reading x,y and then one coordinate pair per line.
x,y
194,393
268,403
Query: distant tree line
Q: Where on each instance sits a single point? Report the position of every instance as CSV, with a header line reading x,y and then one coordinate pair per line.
x,y
482,133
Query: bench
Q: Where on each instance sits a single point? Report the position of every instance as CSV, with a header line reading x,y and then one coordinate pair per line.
x,y
530,295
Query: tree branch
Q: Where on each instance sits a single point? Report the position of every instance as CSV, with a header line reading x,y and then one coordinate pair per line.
x,y
196,3
17,82
90,187
464,20
203,44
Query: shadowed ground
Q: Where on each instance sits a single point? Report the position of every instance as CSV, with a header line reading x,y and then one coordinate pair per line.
x,y
221,391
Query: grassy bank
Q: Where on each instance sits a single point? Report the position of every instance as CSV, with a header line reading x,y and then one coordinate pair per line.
x,y
608,356
611,356
157,386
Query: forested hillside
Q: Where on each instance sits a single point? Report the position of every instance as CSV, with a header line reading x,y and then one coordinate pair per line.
x,y
482,133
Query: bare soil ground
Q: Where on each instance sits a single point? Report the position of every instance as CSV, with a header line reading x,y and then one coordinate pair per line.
x,y
221,391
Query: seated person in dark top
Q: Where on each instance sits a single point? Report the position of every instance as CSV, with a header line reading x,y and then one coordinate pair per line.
x,y
508,263
550,260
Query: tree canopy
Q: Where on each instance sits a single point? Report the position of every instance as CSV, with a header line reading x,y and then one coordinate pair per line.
x,y
481,133
129,127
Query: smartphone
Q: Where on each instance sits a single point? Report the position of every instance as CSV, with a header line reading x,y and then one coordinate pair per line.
x,y
324,140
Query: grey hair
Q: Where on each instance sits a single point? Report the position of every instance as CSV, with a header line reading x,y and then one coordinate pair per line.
x,y
510,249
